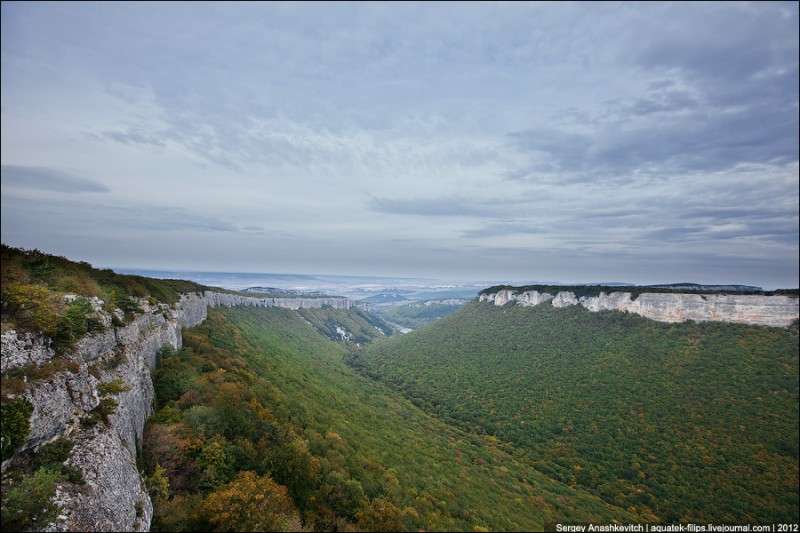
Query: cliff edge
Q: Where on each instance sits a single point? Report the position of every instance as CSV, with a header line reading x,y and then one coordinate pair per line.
x,y
98,397
763,310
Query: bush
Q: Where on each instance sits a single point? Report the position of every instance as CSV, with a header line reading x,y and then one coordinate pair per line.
x,y
113,387
15,417
33,307
53,453
158,483
129,306
72,474
73,325
28,504
104,409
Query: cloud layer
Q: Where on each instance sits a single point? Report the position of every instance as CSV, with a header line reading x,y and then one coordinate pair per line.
x,y
643,143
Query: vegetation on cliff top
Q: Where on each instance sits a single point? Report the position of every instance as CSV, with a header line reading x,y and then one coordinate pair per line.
x,y
684,422
34,284
635,290
259,403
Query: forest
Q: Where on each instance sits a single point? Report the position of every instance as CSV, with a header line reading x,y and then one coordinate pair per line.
x,y
417,314
690,422
261,424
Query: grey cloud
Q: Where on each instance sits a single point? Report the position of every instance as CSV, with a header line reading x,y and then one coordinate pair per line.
x,y
725,93
436,207
133,137
665,101
700,142
47,179
252,229
76,215
650,133
502,229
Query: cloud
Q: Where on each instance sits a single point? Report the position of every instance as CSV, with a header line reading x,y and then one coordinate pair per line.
x,y
93,217
133,137
502,229
632,144
47,179
435,207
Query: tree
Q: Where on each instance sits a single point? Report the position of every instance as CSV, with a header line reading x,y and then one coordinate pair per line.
x,y
380,515
158,483
28,504
251,503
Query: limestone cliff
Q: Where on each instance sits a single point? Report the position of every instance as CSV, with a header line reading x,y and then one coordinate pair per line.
x,y
773,310
113,497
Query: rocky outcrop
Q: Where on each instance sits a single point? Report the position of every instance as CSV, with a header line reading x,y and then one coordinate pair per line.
x,y
779,311
113,497
224,299
21,349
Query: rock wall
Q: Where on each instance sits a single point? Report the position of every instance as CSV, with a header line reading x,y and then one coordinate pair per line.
x,y
114,497
779,311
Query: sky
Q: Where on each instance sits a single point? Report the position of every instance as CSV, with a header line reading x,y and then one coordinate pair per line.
x,y
643,143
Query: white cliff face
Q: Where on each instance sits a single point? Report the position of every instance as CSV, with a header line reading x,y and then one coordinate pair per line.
x,y
221,299
23,349
564,299
779,311
114,497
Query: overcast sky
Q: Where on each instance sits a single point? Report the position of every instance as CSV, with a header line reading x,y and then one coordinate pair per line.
x,y
632,142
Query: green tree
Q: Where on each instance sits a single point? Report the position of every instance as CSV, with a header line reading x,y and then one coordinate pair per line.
x,y
28,504
15,417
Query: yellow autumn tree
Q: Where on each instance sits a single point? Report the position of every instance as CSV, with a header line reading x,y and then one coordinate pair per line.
x,y
251,503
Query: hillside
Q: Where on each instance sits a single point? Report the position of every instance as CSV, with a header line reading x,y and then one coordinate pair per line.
x,y
261,390
691,422
417,314
352,325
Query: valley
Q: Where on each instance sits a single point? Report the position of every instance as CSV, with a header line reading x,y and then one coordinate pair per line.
x,y
630,409
133,403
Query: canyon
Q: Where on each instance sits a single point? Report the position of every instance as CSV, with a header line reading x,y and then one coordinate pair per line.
x,y
114,496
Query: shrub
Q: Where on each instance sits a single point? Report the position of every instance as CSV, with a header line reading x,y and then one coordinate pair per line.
x,y
28,504
73,325
129,306
52,457
72,474
158,483
33,307
53,453
115,386
104,409
15,417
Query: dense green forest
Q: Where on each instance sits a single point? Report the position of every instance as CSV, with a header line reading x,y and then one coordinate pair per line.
x,y
261,424
354,325
416,315
680,422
